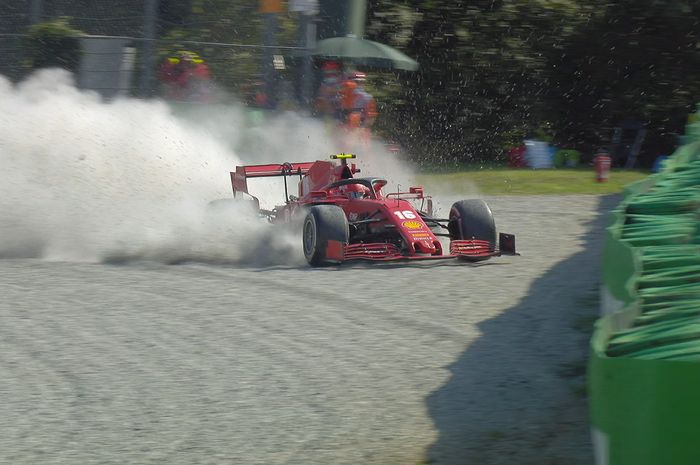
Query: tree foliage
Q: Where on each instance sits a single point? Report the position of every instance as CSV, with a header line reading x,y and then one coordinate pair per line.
x,y
54,43
495,71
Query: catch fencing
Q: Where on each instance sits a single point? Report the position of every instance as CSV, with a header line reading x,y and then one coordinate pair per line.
x,y
115,65
124,44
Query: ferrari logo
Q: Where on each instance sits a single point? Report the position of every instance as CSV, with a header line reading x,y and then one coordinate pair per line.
x,y
412,224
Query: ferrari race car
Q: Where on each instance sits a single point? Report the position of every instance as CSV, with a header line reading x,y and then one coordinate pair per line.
x,y
344,217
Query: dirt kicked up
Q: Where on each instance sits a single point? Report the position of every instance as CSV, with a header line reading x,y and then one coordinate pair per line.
x,y
87,180
242,353
436,362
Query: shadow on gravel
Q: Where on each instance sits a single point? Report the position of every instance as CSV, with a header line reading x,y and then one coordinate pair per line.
x,y
517,394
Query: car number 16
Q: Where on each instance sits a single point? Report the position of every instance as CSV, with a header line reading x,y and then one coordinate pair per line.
x,y
405,215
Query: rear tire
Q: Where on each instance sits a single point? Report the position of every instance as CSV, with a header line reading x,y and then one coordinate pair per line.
x,y
323,223
472,219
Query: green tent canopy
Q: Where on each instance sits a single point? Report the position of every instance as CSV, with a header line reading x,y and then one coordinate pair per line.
x,y
362,52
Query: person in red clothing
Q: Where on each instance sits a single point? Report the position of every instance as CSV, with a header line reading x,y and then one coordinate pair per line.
x,y
357,112
327,98
516,156
363,102
185,77
349,111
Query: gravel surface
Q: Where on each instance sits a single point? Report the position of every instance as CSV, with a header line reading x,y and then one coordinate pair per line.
x,y
439,362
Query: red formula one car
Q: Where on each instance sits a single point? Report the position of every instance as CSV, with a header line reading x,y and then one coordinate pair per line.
x,y
344,217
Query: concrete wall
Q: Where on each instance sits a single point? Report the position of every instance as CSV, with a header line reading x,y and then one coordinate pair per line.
x,y
107,66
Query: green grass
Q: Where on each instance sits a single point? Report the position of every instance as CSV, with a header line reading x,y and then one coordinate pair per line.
x,y
503,181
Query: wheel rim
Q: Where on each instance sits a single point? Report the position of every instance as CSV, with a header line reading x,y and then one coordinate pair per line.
x,y
309,237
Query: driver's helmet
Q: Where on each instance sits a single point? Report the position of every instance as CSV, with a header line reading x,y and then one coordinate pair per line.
x,y
355,191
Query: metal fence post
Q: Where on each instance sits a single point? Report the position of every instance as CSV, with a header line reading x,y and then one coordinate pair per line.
x,y
149,34
35,11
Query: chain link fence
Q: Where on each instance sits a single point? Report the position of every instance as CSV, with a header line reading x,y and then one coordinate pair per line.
x,y
15,63
118,60
113,65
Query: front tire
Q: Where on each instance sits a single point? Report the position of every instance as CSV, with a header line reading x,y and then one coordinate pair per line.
x,y
472,219
323,223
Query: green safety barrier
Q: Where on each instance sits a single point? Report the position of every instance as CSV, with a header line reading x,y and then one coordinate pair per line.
x,y
644,371
647,411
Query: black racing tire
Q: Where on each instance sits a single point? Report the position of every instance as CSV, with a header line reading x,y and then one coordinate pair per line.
x,y
321,224
472,219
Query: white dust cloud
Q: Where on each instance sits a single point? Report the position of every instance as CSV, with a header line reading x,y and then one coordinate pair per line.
x,y
86,180
291,137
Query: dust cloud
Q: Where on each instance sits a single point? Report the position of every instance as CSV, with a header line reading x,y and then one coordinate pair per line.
x,y
82,179
292,137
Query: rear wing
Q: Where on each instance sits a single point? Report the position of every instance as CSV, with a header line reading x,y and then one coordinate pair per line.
x,y
239,177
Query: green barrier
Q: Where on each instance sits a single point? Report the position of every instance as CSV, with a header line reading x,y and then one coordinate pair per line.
x,y
647,411
643,373
622,264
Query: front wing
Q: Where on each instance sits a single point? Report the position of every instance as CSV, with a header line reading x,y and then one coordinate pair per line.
x,y
381,251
